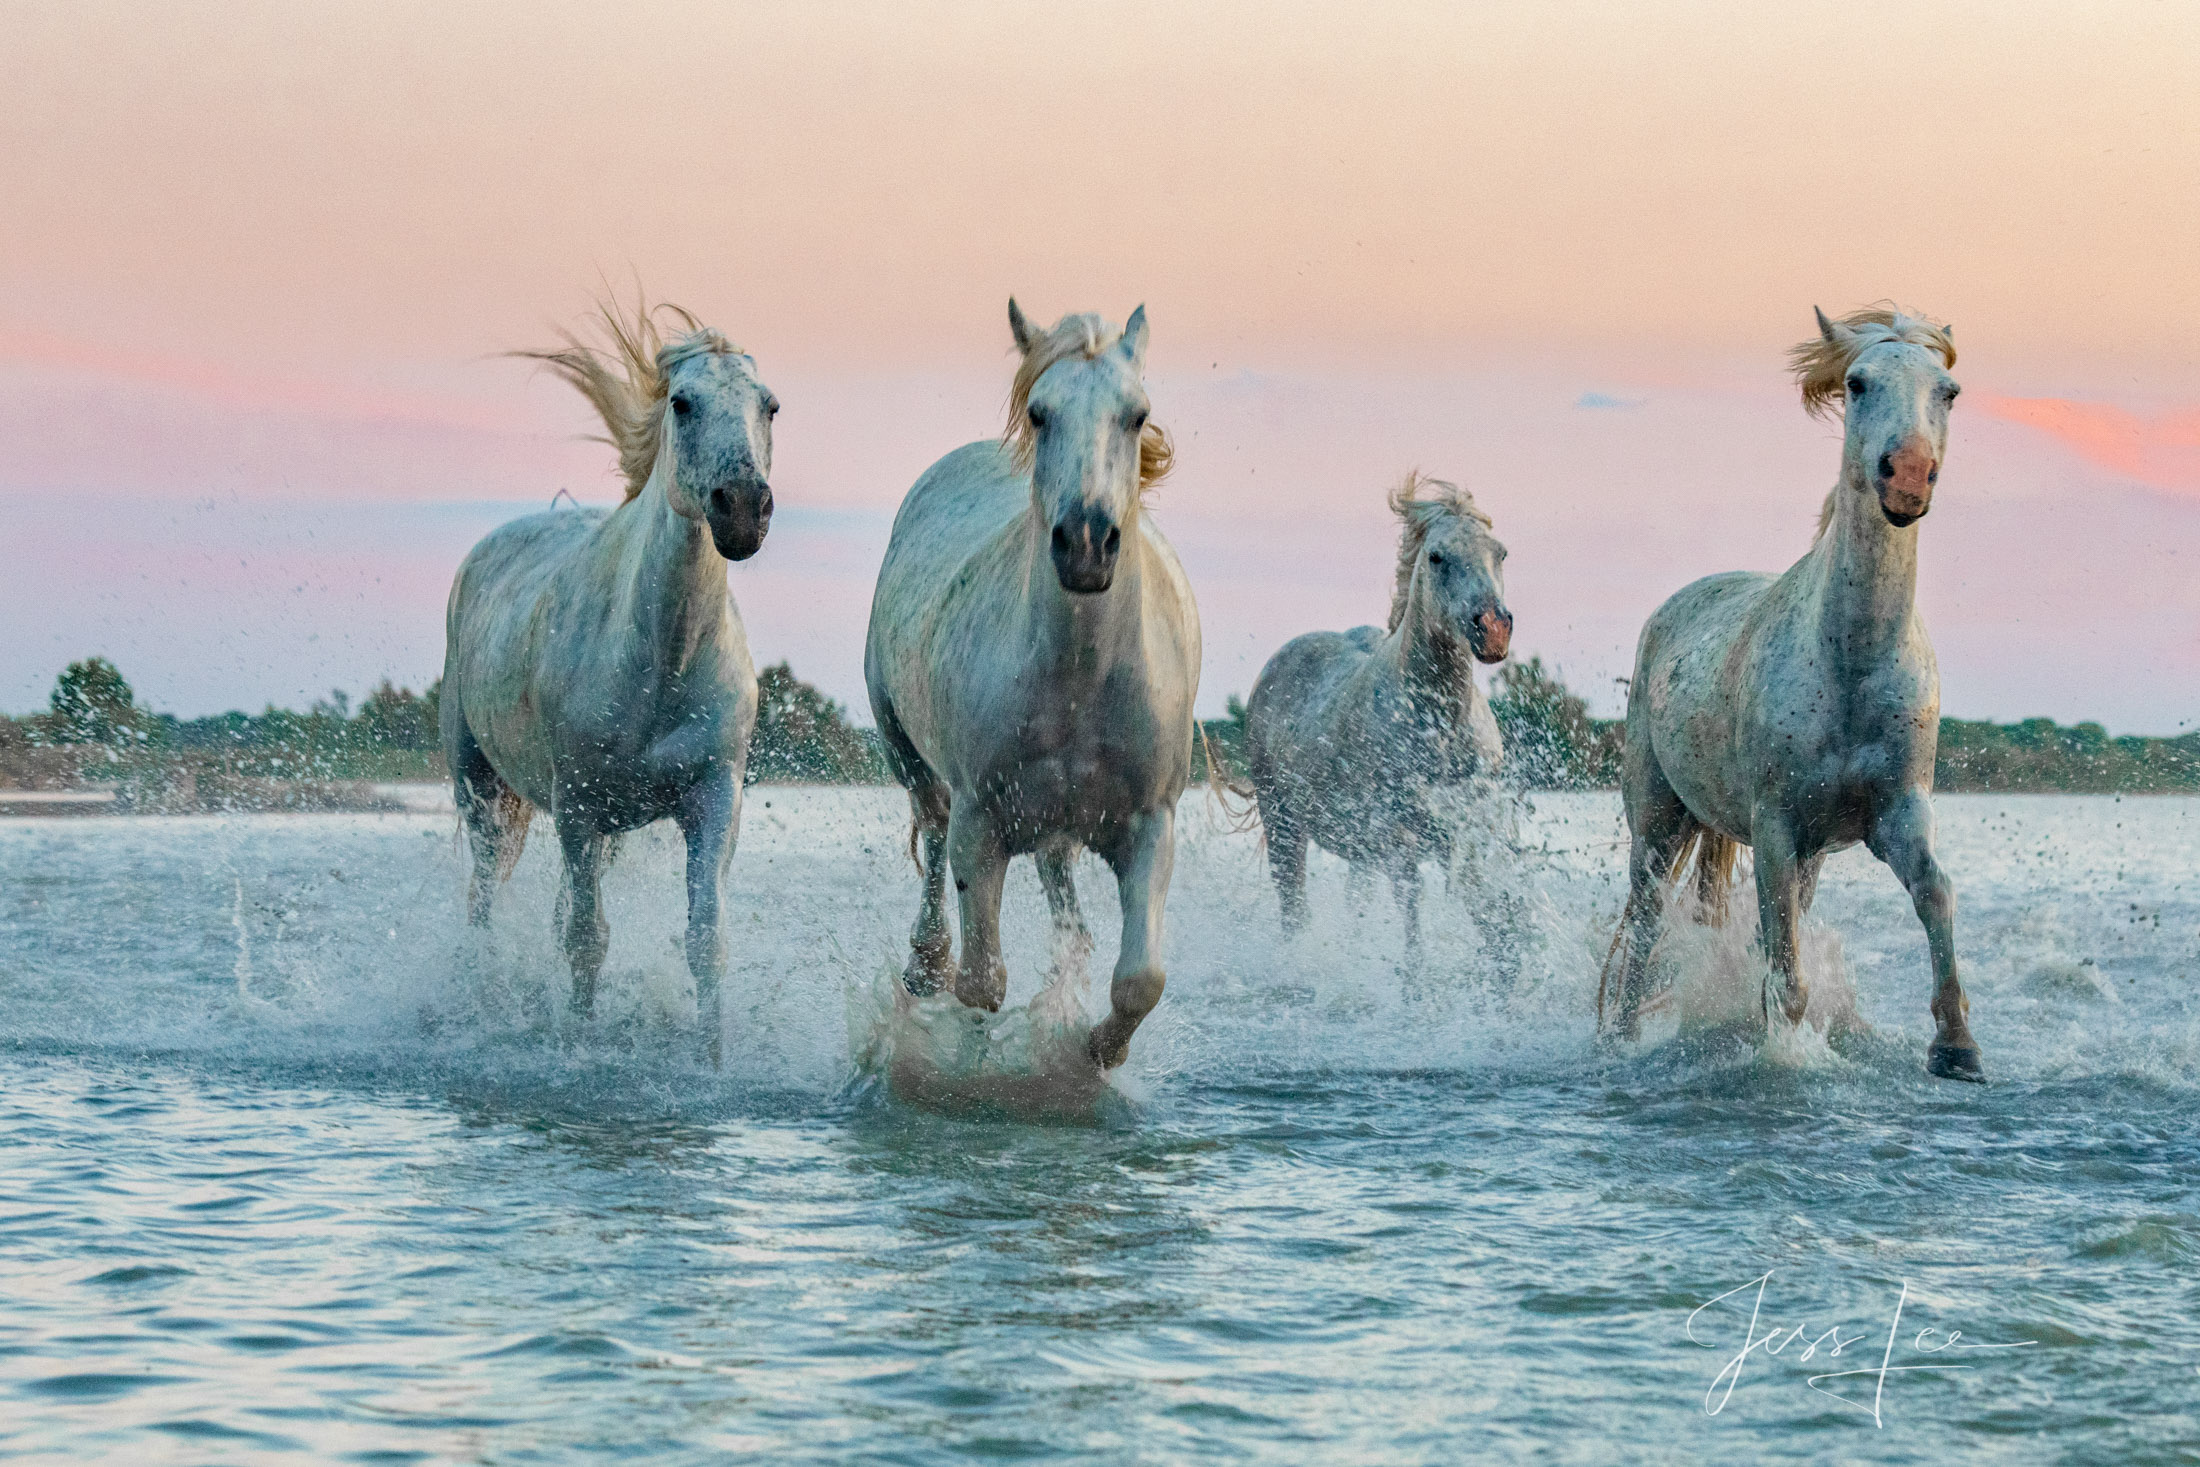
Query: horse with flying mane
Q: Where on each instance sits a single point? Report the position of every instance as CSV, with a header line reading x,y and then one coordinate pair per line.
x,y
596,667
1354,738
1032,657
1799,714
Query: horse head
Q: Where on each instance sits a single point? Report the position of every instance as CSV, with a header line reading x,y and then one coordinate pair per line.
x,y
718,428
1079,421
1451,568
1896,393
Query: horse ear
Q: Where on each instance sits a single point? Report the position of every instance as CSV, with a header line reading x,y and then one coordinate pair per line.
x,y
1825,327
1027,335
1134,337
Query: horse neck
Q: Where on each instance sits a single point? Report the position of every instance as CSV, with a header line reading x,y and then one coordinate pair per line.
x,y
1084,633
670,586
1867,574
1434,667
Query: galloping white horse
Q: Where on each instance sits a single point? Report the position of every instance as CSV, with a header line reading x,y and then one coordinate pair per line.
x,y
1800,714
1352,736
596,666
1032,658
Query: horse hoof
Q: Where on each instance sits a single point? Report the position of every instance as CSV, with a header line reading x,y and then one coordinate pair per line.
x,y
980,995
929,969
1104,1050
1955,1062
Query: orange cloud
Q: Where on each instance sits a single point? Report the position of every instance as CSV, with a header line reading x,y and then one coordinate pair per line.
x,y
2162,451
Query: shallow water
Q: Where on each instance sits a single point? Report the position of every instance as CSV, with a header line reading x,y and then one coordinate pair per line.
x,y
289,1167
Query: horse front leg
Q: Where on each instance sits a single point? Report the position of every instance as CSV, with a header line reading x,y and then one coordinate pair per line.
x,y
1142,870
931,954
587,935
1903,838
980,860
1780,914
710,820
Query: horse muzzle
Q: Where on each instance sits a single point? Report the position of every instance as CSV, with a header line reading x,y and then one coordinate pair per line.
x,y
1906,480
739,518
1490,634
1084,547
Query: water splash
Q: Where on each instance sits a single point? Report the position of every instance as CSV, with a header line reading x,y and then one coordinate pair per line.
x,y
1026,1062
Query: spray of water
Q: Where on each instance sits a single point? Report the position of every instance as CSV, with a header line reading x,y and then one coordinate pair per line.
x,y
341,941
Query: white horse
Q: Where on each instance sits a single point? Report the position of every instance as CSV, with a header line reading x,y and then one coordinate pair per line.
x,y
1032,658
595,665
1356,738
1800,714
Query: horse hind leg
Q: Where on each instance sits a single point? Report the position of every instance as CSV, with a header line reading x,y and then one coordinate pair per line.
x,y
1661,827
496,821
1286,841
1405,885
1072,938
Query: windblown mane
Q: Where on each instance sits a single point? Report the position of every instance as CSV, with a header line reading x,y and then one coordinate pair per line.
x,y
626,384
1821,365
1082,334
1419,516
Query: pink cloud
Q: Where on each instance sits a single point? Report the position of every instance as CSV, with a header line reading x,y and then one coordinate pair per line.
x,y
51,355
2162,451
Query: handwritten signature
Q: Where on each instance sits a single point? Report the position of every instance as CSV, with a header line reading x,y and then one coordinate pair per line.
x,y
1831,1342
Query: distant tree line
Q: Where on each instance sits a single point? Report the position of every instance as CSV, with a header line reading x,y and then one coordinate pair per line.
x,y
1552,742
95,731
2040,754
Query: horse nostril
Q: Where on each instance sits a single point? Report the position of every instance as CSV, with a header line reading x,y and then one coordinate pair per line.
x,y
764,504
1114,540
1061,539
1886,466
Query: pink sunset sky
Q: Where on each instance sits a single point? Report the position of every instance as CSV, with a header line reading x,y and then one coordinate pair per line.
x,y
256,263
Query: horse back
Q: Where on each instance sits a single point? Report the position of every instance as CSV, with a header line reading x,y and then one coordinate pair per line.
x,y
1297,694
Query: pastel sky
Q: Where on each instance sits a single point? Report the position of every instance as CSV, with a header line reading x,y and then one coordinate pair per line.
x,y
256,262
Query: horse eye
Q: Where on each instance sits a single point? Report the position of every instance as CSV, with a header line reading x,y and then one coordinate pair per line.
x,y
1436,557
1951,392
771,407
1138,420
681,404
1037,415
1856,386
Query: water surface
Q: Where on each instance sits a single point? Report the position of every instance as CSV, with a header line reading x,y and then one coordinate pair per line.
x,y
289,1169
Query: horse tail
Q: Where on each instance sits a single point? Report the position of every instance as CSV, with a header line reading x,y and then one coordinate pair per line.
x,y
1715,856
512,815
1610,976
1224,785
